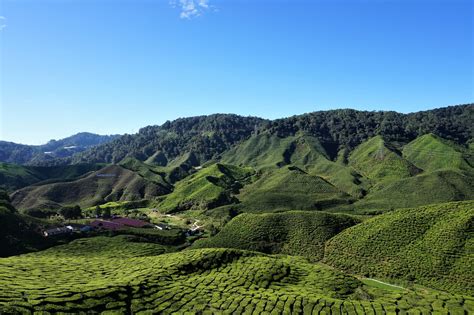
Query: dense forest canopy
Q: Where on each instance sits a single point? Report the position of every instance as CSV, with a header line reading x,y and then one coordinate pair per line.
x,y
209,136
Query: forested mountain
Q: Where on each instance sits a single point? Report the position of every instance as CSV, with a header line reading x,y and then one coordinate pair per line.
x,y
36,154
341,196
205,136
209,136
343,159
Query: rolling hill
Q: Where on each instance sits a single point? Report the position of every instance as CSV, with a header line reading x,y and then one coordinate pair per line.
x,y
14,176
210,187
19,233
130,277
211,136
290,188
432,245
432,153
270,151
378,161
111,183
247,193
297,233
424,189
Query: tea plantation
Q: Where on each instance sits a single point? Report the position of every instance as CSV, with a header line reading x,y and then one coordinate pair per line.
x,y
301,233
119,276
210,187
432,245
290,188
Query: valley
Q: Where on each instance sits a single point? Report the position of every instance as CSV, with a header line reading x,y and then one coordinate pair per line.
x,y
333,212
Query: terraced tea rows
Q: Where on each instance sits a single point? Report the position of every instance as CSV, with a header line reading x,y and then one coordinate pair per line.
x,y
300,233
432,245
206,280
290,188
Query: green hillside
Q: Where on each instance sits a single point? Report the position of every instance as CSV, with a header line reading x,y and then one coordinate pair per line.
x,y
210,187
111,183
431,153
18,233
432,245
290,188
179,167
13,176
211,136
294,233
146,171
119,275
340,175
376,160
424,189
269,151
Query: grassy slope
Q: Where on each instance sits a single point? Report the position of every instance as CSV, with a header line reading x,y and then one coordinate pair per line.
x,y
293,233
111,183
146,171
14,176
431,153
210,187
127,277
268,152
178,168
18,232
289,188
424,189
432,244
375,160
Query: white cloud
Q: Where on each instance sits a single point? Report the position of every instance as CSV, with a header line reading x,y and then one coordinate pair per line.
x,y
2,22
191,8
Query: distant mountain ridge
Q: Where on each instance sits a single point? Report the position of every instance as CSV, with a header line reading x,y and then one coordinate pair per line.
x,y
210,136
374,163
37,154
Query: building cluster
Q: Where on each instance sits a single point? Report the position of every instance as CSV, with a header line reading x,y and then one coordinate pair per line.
x,y
113,224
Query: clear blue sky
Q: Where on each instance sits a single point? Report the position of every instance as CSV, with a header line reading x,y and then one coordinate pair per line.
x,y
113,66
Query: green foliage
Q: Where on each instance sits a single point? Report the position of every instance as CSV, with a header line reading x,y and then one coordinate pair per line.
x,y
121,208
14,176
210,187
73,212
377,161
293,233
432,245
123,246
146,171
289,188
424,189
347,128
119,275
210,136
206,136
179,167
269,151
432,153
111,183
18,233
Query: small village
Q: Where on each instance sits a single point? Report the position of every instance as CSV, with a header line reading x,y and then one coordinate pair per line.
x,y
117,223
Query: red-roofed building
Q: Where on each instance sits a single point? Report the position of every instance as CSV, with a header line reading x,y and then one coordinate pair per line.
x,y
130,222
107,225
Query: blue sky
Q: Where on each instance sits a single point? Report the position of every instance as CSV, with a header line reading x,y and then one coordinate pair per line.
x,y
113,66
